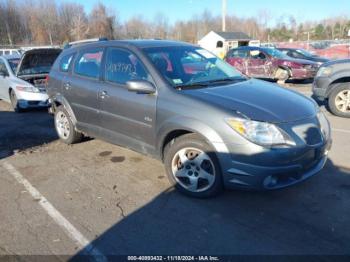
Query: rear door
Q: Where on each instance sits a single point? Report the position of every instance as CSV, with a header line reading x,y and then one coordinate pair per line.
x,y
126,116
81,88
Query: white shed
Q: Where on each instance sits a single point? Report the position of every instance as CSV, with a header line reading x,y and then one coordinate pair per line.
x,y
228,39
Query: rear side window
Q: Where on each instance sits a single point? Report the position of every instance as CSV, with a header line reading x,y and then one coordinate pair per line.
x,y
65,62
88,63
123,66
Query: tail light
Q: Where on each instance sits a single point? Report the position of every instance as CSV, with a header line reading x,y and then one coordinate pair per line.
x,y
47,78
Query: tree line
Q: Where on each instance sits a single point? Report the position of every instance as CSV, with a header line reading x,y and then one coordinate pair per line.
x,y
36,22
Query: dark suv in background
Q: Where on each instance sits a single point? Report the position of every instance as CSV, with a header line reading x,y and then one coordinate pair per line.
x,y
332,84
211,126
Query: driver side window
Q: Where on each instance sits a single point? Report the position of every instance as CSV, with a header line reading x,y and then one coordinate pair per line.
x,y
257,54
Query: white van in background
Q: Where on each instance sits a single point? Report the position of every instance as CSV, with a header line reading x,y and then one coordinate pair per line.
x,y
8,51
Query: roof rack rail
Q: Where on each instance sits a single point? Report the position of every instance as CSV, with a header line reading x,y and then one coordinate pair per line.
x,y
85,41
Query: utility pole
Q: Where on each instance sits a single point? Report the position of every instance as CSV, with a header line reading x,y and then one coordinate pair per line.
x,y
308,38
349,42
223,15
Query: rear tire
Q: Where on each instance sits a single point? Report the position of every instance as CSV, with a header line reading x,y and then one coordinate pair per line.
x,y
14,102
192,166
339,100
65,128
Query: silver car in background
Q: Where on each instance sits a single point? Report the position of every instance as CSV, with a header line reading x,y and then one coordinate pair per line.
x,y
23,80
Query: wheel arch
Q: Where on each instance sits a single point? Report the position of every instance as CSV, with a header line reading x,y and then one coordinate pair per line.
x,y
178,127
341,79
283,67
59,100
287,68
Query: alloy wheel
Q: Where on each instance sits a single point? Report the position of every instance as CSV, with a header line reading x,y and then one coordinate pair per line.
x,y
342,101
193,169
62,125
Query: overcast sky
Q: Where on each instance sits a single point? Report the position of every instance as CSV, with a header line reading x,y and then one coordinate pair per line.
x,y
183,9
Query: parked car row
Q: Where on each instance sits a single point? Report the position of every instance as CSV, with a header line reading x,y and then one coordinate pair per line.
x,y
212,126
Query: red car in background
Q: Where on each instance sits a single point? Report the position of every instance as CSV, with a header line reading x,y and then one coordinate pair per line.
x,y
270,63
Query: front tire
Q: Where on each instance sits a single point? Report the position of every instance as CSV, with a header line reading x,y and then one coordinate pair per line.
x,y
282,75
192,166
339,100
65,127
14,102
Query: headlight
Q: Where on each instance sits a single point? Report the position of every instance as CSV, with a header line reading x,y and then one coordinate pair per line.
x,y
32,89
324,124
324,71
260,133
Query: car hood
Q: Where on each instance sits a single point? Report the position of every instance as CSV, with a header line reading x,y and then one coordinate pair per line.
x,y
258,100
34,60
299,61
319,59
335,62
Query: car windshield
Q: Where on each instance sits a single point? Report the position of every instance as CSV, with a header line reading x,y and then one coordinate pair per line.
x,y
276,53
13,64
191,66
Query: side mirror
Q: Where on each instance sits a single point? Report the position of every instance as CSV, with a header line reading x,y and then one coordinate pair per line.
x,y
141,86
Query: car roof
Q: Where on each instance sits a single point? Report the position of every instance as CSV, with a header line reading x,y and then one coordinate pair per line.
x,y
288,48
8,57
138,43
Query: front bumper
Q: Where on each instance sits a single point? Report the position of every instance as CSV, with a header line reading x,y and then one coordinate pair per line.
x,y
320,87
259,177
32,100
24,104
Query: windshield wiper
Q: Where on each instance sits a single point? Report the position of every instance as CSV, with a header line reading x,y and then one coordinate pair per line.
x,y
210,82
193,85
225,80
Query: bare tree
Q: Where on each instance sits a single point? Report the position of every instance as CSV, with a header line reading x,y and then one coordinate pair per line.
x,y
101,24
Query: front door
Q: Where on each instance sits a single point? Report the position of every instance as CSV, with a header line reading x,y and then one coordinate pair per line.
x,y
126,117
259,64
4,81
238,58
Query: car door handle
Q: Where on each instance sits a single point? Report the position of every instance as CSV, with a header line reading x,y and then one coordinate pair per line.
x,y
67,86
104,94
